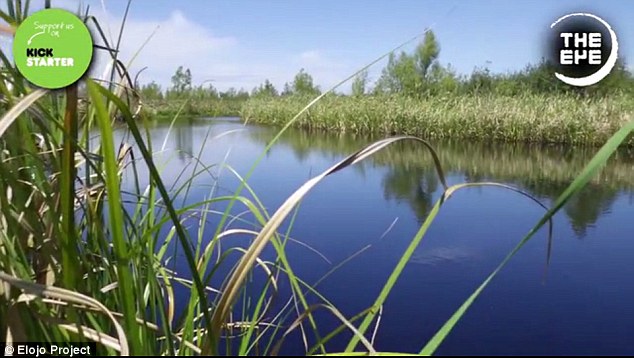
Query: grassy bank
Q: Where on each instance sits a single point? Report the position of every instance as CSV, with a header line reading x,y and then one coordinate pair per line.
x,y
192,107
528,118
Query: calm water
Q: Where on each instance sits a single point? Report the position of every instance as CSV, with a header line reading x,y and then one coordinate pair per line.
x,y
580,304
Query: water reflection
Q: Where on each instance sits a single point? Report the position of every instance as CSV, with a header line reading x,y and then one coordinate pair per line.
x,y
588,280
542,170
185,138
415,186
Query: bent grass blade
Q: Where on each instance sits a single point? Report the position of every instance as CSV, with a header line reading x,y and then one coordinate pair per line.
x,y
595,164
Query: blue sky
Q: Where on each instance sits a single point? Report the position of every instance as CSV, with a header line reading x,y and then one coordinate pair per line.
x,y
239,43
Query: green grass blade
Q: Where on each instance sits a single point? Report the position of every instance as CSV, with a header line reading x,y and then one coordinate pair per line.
x,y
231,292
125,289
595,164
181,234
389,285
391,281
284,128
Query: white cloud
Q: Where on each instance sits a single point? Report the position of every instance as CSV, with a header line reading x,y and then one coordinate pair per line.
x,y
164,44
311,56
177,40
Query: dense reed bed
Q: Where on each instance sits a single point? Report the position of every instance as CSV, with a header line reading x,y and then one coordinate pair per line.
x,y
528,118
192,107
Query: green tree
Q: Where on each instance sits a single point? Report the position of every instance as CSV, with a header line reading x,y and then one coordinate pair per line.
x,y
388,83
400,76
442,80
288,90
242,94
151,91
204,93
426,54
181,80
230,93
620,80
359,84
408,74
540,78
265,90
233,94
303,84
480,81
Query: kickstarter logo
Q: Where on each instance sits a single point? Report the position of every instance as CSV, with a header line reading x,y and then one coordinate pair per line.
x,y
583,47
52,48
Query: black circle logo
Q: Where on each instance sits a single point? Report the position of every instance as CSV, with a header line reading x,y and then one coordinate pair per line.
x,y
583,48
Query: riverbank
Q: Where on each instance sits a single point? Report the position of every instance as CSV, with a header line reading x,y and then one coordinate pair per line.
x,y
192,107
529,118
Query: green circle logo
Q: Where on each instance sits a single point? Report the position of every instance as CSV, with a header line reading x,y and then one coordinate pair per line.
x,y
52,48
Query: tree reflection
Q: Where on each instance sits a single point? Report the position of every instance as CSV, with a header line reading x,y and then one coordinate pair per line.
x,y
184,139
543,171
585,208
416,186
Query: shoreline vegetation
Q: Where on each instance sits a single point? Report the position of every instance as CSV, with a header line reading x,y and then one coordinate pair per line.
x,y
417,95
542,119
531,118
84,258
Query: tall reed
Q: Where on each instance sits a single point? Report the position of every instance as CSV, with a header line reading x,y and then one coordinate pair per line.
x,y
563,119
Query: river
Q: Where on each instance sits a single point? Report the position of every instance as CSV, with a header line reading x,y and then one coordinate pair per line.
x,y
578,300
